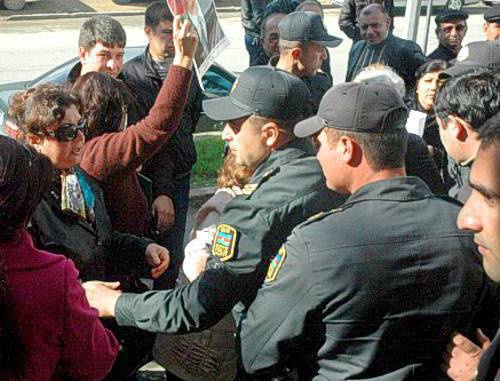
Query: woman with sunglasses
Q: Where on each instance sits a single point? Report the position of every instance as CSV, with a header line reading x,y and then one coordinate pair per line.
x,y
112,153
47,329
72,219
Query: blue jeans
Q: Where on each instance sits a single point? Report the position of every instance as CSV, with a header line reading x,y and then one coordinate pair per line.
x,y
173,239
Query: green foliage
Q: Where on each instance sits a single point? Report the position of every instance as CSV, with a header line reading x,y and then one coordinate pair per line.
x,y
210,150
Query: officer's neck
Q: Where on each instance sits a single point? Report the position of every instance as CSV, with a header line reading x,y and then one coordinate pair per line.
x,y
363,178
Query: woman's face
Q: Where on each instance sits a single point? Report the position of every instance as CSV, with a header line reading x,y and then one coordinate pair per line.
x,y
62,149
427,89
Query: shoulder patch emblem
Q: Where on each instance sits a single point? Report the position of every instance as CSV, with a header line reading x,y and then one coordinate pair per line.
x,y
224,242
276,264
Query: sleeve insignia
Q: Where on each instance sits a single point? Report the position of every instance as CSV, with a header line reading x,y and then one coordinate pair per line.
x,y
224,243
276,264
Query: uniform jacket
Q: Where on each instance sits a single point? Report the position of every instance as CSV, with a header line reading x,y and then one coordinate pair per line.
x,y
378,285
176,158
284,190
99,252
403,56
442,53
62,335
349,15
114,158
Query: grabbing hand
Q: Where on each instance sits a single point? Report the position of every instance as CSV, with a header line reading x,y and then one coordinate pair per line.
x,y
462,356
102,296
185,42
163,212
157,257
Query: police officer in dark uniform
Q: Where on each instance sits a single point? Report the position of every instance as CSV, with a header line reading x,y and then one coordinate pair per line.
x,y
303,42
376,286
451,27
287,187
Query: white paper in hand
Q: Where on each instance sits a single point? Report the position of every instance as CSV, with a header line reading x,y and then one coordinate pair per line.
x,y
415,123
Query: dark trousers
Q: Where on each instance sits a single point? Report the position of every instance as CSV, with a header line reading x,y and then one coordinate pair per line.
x,y
173,239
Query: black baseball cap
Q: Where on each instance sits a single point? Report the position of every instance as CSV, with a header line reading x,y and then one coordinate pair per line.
x,y
474,56
264,91
449,15
492,14
305,27
356,107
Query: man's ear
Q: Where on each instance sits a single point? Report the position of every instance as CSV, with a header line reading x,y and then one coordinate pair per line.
x,y
148,31
346,148
82,53
270,134
461,129
296,53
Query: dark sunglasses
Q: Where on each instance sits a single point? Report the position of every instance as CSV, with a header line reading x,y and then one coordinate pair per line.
x,y
68,132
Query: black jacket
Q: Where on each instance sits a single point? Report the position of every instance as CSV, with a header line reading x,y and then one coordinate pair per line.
x,y
252,14
403,56
442,53
176,158
98,251
348,18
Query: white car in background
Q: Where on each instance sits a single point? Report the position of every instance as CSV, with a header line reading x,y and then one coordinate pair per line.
x,y
450,4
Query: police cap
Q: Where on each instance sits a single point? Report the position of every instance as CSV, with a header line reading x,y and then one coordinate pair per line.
x,y
475,56
355,107
305,27
492,14
263,91
449,15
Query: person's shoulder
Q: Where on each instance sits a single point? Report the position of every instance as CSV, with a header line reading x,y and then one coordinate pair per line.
x,y
406,44
134,67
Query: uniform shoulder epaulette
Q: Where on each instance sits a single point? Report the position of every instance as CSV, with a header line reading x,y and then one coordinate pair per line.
x,y
321,215
249,189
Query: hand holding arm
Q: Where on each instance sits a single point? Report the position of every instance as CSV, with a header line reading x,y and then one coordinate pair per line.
x,y
462,357
102,296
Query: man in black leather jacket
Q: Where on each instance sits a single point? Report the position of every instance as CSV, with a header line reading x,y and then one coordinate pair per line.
x,y
348,18
170,168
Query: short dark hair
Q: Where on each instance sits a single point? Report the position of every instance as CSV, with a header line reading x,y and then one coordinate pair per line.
x,y
157,12
382,150
431,67
490,132
103,29
265,21
474,97
367,10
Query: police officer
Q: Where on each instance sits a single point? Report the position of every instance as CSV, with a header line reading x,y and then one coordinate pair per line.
x,y
286,188
376,286
302,46
491,26
451,27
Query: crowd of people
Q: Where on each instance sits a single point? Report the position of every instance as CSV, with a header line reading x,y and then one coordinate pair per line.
x,y
340,244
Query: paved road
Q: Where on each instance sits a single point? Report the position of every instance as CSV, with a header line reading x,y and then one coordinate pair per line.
x,y
30,48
